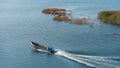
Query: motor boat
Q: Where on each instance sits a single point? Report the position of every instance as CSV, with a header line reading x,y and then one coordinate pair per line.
x,y
43,48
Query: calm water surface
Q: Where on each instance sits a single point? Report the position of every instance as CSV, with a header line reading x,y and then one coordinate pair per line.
x,y
21,21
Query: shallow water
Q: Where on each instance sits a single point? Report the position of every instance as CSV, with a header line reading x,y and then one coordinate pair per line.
x,y
22,22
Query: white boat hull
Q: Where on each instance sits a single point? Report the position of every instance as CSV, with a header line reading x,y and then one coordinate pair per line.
x,y
42,48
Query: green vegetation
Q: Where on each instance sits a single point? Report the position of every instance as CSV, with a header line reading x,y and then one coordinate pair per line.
x,y
112,16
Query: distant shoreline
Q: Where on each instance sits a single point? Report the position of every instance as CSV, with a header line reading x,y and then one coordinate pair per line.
x,y
111,16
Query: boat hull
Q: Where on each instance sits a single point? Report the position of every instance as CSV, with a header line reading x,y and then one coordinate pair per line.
x,y
42,48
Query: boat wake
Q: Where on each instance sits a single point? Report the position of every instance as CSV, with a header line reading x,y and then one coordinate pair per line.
x,y
92,61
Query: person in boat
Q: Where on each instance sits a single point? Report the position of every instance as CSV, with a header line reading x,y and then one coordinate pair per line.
x,y
48,49
51,48
45,48
39,46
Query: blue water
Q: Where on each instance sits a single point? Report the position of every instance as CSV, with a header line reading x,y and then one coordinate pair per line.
x,y
81,46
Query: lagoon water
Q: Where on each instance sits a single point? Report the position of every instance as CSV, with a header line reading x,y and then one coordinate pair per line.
x,y
79,46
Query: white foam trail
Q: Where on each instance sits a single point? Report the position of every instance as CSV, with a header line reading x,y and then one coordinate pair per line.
x,y
92,61
64,54
98,63
98,58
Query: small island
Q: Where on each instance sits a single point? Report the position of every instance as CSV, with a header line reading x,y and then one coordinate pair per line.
x,y
55,11
61,14
112,16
